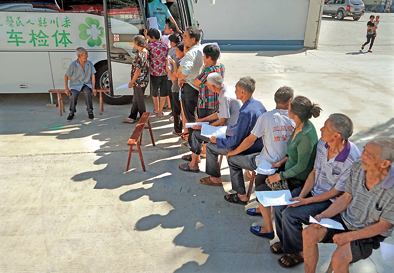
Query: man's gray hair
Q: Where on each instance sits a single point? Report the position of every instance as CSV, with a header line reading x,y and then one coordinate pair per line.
x,y
215,79
387,146
247,83
81,50
342,124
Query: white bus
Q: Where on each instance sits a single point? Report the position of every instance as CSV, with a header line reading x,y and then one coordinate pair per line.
x,y
38,40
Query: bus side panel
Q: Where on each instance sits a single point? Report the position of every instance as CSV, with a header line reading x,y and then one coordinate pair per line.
x,y
25,72
60,62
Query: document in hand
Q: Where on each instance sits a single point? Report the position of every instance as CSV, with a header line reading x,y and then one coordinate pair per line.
x,y
274,198
216,131
327,222
152,22
264,167
199,123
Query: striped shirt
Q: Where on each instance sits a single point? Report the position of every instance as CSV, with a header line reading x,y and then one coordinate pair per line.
x,y
368,206
335,171
208,99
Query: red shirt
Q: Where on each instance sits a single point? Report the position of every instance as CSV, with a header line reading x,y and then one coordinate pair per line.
x,y
158,52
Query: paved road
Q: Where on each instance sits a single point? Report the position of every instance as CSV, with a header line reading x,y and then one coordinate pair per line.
x,y
67,205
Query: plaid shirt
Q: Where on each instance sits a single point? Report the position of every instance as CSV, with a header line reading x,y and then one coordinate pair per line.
x,y
208,99
157,58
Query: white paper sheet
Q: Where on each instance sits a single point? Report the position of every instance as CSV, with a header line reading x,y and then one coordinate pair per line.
x,y
387,251
217,131
199,123
264,167
274,198
327,222
152,22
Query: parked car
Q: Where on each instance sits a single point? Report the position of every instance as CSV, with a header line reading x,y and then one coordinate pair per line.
x,y
344,8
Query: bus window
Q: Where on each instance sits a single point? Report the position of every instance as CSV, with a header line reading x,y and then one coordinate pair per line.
x,y
125,21
85,6
30,6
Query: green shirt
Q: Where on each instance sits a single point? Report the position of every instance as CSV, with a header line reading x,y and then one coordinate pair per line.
x,y
301,152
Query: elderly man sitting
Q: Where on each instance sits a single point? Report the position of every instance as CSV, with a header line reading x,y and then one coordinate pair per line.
x,y
249,113
227,115
80,73
335,156
366,211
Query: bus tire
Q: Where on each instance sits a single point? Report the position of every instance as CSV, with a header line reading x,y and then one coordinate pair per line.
x,y
102,82
340,15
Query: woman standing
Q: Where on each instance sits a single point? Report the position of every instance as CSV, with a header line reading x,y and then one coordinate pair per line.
x,y
139,78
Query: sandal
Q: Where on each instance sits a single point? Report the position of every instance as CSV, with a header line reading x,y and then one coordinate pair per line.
x,y
233,198
207,181
186,168
129,120
185,136
276,248
188,157
290,260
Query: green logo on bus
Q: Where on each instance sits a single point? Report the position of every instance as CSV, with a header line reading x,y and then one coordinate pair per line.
x,y
92,32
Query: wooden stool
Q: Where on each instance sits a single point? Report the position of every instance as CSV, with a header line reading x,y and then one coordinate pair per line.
x,y
136,138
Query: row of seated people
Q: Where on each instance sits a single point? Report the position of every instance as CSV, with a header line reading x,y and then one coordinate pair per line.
x,y
328,177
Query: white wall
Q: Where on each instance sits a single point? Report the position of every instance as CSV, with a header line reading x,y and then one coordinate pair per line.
x,y
252,19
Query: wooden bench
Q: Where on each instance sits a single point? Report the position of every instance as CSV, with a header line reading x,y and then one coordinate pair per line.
x,y
60,104
136,138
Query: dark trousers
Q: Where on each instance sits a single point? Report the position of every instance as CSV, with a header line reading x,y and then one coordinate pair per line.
x,y
370,38
202,112
236,164
289,220
212,167
176,112
88,99
189,100
138,104
196,140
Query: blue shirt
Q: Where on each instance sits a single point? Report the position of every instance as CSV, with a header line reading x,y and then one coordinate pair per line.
x,y
159,10
248,115
80,77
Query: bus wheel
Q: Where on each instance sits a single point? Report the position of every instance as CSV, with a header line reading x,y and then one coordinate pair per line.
x,y
102,82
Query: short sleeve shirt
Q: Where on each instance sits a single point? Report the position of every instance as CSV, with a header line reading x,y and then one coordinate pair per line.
x,y
191,64
80,77
334,172
160,11
368,206
157,58
275,128
207,99
229,108
141,62
371,27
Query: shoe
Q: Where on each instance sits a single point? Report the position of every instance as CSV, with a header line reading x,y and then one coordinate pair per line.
x,y
186,168
256,231
129,120
253,212
70,116
362,47
233,198
370,51
91,116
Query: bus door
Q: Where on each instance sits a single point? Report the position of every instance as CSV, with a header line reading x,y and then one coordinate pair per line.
x,y
124,20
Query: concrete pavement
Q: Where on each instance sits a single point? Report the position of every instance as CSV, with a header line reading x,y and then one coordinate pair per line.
x,y
68,206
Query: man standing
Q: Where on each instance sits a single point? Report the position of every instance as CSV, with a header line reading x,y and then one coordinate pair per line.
x,y
365,210
190,67
80,73
248,114
159,10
